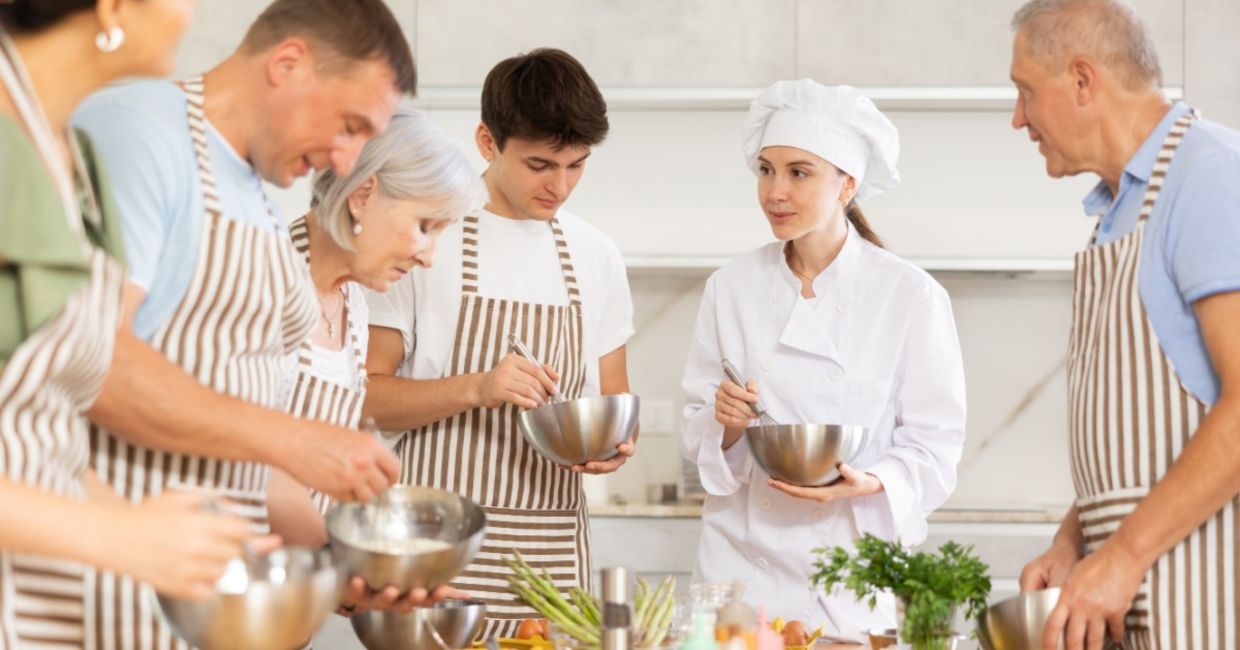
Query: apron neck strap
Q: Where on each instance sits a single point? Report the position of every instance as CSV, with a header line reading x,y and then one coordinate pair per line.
x,y
1170,145
469,259
196,99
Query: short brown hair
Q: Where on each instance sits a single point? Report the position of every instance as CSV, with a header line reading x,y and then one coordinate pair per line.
x,y
356,30
545,94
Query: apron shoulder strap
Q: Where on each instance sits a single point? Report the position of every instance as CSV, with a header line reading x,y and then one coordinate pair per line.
x,y
195,94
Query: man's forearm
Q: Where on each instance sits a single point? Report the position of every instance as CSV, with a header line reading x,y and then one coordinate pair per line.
x,y
398,404
1200,482
149,401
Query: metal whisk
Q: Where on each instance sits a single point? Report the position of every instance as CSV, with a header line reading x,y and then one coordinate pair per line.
x,y
764,418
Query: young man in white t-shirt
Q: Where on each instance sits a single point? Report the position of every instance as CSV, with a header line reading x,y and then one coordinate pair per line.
x,y
441,372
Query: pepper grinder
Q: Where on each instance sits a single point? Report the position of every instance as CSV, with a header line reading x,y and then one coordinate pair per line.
x,y
617,633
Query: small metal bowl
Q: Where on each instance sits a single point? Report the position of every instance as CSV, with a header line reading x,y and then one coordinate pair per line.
x,y
449,625
274,601
805,454
581,430
411,537
1017,622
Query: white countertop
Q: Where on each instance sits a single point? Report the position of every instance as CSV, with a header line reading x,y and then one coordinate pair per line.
x,y
945,515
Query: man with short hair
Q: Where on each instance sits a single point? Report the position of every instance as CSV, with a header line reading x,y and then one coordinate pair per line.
x,y
440,364
1150,551
216,288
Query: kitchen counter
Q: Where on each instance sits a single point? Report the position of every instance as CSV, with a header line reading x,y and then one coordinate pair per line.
x,y
945,515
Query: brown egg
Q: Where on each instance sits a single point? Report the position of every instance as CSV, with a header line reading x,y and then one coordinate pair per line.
x,y
528,629
795,634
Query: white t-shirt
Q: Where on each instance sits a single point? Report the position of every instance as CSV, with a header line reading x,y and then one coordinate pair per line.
x,y
517,260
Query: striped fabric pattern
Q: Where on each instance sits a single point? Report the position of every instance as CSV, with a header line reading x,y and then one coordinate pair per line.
x,y
313,397
250,303
532,504
45,389
1130,419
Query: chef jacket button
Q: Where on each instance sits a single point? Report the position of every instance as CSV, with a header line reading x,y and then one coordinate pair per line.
x,y
766,366
775,299
765,504
762,563
842,308
835,375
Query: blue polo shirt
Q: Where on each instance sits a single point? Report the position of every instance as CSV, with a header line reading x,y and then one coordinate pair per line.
x,y
1192,242
140,131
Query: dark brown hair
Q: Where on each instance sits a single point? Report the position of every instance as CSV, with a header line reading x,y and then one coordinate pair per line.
x,y
543,95
355,30
857,218
25,16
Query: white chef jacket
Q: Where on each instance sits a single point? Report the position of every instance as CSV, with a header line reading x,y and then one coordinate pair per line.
x,y
876,347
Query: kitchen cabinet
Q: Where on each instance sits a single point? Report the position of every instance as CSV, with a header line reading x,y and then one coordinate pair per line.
x,y
939,42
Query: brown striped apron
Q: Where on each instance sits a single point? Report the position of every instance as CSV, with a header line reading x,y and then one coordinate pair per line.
x,y
46,387
532,504
249,305
1131,418
313,397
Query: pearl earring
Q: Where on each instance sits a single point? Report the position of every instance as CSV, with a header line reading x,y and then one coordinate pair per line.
x,y
110,41
357,227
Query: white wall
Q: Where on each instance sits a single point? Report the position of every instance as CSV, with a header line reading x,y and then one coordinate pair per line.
x,y
670,181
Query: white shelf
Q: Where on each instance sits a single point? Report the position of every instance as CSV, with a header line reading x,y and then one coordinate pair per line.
x,y
901,98
703,265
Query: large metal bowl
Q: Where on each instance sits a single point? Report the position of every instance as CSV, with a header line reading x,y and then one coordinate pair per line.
x,y
272,602
375,541
456,623
1017,622
581,430
805,454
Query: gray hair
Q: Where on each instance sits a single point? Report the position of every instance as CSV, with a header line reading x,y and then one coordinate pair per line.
x,y
412,159
1108,30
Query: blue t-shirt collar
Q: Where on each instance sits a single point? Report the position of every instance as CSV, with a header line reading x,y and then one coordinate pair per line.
x,y
1139,167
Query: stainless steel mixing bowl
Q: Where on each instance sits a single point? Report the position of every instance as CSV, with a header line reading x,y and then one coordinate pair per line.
x,y
272,602
412,537
456,623
1017,622
581,430
805,454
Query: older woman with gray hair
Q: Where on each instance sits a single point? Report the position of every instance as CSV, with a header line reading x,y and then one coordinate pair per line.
x,y
370,229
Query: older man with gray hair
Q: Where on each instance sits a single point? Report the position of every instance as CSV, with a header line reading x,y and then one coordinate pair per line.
x,y
1150,552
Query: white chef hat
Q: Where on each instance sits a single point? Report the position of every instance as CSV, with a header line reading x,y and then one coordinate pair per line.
x,y
836,123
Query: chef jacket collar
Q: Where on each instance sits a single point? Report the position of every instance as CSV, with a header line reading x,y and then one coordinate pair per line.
x,y
842,271
813,325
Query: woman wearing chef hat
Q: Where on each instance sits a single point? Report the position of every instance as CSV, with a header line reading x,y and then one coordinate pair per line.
x,y
828,328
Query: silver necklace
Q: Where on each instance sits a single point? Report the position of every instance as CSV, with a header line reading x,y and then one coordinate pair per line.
x,y
331,321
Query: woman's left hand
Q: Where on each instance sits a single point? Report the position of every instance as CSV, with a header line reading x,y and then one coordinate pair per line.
x,y
357,598
851,483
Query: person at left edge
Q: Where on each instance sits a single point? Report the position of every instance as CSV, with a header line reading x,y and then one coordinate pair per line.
x,y
831,329
216,286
